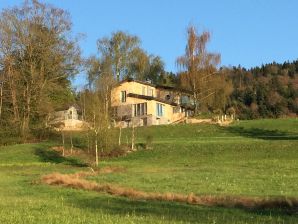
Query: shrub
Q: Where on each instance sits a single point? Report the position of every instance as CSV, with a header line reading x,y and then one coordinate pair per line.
x,y
149,140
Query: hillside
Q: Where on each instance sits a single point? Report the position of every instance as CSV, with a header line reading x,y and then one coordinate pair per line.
x,y
250,158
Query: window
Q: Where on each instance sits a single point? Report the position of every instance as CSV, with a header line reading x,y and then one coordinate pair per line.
x,y
123,96
149,92
159,109
140,109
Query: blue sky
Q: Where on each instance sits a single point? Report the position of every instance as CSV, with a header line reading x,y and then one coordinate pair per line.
x,y
245,32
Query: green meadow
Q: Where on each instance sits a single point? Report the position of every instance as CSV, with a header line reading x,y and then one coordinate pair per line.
x,y
256,158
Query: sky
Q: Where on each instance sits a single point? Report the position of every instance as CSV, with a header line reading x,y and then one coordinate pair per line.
x,y
245,32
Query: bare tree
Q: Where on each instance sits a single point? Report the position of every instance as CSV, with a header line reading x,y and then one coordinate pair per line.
x,y
199,66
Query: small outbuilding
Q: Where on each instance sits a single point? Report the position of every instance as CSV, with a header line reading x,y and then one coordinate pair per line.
x,y
69,118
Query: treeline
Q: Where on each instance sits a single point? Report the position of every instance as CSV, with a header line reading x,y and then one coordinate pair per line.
x,y
269,91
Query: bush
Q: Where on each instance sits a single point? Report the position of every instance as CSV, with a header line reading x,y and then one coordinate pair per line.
x,y
117,152
10,136
149,140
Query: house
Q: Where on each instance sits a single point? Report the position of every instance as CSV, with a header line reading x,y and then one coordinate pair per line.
x,y
67,119
143,104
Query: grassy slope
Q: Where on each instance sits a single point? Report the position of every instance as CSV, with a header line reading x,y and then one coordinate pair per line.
x,y
258,160
239,160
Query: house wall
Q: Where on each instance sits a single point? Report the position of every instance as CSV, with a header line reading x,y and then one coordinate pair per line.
x,y
130,87
71,113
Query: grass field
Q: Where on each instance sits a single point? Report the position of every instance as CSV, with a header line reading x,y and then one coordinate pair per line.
x,y
250,158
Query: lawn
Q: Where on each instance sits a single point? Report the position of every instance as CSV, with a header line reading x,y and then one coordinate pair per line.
x,y
250,158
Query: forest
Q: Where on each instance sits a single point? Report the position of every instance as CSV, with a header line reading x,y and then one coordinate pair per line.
x,y
268,91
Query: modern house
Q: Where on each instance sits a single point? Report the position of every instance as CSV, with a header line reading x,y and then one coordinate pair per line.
x,y
143,104
67,118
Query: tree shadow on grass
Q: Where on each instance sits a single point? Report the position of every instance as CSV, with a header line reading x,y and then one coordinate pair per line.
x,y
51,156
262,133
172,211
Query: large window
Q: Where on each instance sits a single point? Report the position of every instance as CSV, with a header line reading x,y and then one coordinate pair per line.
x,y
123,96
140,109
159,109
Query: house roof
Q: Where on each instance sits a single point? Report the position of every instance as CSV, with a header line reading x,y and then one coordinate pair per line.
x,y
133,80
173,89
156,86
67,106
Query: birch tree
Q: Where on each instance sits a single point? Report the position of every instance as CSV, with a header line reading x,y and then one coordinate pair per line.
x,y
198,66
119,50
98,102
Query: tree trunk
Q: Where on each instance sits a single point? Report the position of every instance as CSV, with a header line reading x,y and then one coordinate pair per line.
x,y
26,113
84,108
24,127
133,138
119,140
1,98
195,96
107,103
96,149
13,93
71,145
63,143
88,143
